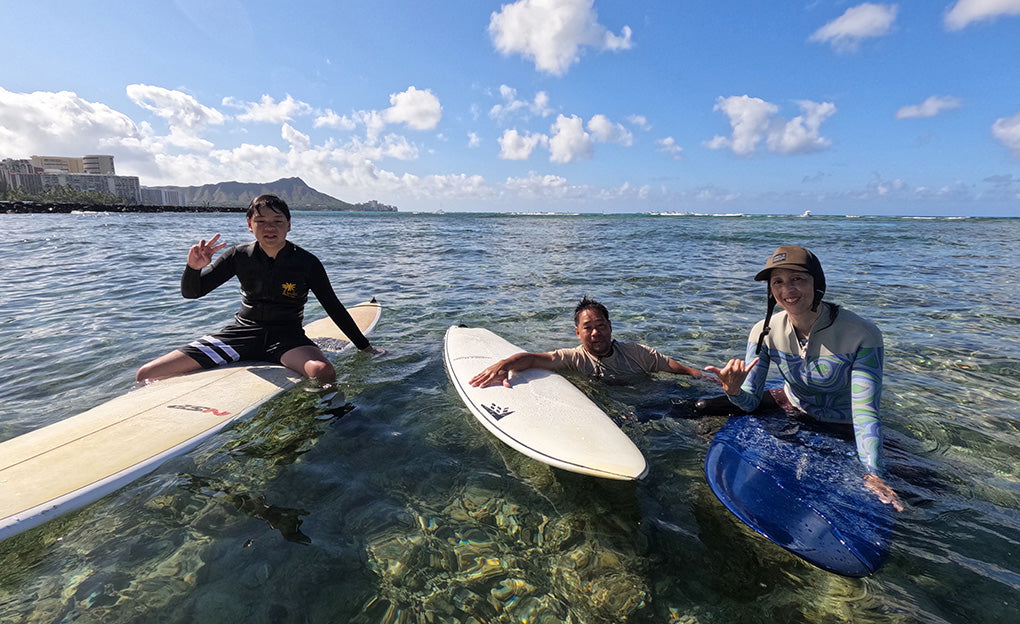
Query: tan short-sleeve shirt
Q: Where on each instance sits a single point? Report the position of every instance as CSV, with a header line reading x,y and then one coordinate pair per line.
x,y
627,359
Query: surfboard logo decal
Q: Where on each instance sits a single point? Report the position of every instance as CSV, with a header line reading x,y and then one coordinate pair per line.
x,y
199,408
496,411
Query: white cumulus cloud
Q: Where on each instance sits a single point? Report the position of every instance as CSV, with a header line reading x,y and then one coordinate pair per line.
x,y
330,119
1007,131
552,33
515,146
55,123
929,108
396,146
268,110
754,120
418,109
749,118
863,21
606,131
185,116
640,122
373,121
668,146
543,187
966,12
511,104
297,140
180,109
801,134
569,141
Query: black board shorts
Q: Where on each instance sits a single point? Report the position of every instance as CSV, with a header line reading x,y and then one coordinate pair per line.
x,y
235,343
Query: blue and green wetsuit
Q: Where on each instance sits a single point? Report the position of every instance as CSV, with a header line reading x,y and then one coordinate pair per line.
x,y
836,376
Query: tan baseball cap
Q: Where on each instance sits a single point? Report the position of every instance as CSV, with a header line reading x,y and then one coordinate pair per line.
x,y
795,258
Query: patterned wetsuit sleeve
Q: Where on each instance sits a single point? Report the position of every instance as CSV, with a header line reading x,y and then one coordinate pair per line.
x,y
753,387
195,283
318,283
866,393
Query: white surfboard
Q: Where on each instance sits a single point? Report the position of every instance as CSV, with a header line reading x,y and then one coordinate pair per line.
x,y
69,464
543,415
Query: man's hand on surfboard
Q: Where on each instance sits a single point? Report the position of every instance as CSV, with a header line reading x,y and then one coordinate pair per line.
x,y
492,375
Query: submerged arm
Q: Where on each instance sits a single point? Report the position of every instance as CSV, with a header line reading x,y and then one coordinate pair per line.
x,y
679,369
866,393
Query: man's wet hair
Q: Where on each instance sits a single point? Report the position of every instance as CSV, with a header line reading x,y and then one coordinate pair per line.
x,y
589,304
259,204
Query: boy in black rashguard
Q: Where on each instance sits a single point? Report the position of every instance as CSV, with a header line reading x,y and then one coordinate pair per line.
x,y
276,276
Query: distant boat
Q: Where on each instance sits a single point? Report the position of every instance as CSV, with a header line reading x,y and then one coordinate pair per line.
x,y
807,213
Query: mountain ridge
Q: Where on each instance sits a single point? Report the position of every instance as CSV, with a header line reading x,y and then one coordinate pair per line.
x,y
294,191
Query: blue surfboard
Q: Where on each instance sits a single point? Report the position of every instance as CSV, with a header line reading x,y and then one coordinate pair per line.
x,y
801,487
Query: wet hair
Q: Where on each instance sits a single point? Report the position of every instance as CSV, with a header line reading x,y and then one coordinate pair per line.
x,y
589,304
272,202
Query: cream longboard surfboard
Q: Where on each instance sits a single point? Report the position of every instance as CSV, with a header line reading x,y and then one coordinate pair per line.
x,y
542,415
69,464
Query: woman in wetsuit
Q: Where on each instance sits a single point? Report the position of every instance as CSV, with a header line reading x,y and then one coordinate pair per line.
x,y
830,359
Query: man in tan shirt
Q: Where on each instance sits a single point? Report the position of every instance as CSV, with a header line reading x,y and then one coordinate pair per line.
x,y
597,356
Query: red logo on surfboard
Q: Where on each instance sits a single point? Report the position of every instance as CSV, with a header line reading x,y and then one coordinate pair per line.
x,y
199,408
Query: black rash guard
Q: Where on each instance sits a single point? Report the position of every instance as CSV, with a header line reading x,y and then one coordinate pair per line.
x,y
273,290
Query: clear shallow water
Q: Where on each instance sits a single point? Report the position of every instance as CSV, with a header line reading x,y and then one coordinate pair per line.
x,y
406,510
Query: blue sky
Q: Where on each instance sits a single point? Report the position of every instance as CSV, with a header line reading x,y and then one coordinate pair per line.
x,y
536,105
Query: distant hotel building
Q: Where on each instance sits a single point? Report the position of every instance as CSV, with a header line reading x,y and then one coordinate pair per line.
x,y
162,197
91,173
20,175
121,186
92,165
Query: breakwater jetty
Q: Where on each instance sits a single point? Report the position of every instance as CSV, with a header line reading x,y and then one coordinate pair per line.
x,y
29,207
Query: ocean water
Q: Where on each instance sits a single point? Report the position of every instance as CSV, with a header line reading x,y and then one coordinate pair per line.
x,y
407,510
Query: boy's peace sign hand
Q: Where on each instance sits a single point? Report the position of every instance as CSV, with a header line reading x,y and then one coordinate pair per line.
x,y
201,254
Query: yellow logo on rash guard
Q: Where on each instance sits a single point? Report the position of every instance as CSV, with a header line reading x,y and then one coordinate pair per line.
x,y
289,290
